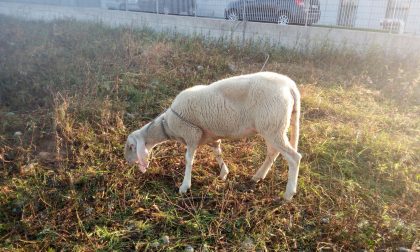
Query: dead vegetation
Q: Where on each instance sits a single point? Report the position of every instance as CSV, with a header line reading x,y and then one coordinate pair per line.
x,y
74,91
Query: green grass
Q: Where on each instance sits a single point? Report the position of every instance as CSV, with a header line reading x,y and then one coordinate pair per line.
x,y
77,89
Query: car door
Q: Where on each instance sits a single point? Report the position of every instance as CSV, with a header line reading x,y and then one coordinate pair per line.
x,y
287,8
250,7
270,9
262,10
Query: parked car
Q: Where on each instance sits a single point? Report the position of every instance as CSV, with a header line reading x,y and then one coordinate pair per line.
x,y
275,11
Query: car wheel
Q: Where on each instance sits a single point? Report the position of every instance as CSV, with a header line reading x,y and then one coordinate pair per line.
x,y
283,19
233,15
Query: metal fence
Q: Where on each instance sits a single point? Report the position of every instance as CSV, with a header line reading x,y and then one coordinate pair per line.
x,y
73,3
393,16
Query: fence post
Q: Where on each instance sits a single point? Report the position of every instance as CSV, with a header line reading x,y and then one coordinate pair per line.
x,y
393,16
157,6
244,12
195,8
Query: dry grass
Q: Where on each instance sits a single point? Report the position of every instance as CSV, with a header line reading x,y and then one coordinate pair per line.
x,y
74,87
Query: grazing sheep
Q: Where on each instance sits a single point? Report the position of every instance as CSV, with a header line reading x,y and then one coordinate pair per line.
x,y
263,103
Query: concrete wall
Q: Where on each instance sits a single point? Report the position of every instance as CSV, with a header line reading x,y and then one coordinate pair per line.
x,y
294,37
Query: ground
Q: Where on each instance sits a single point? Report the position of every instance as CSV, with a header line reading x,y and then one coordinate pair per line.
x,y
71,92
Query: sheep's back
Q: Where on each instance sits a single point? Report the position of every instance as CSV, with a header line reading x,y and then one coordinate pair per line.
x,y
231,104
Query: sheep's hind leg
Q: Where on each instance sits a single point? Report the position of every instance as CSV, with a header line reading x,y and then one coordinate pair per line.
x,y
224,171
282,144
189,158
271,156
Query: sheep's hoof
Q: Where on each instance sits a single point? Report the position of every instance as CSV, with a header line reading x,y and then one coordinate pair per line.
x,y
256,179
183,189
278,200
288,195
223,177
224,172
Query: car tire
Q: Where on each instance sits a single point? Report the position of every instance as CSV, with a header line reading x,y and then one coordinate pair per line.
x,y
283,19
233,15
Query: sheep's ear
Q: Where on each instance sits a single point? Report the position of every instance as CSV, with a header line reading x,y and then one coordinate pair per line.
x,y
141,149
131,143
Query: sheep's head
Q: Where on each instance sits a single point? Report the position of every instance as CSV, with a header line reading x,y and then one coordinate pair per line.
x,y
135,151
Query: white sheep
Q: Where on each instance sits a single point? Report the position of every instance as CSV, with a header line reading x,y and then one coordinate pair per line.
x,y
263,103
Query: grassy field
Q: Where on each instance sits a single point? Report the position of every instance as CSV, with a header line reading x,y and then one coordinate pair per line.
x,y
70,93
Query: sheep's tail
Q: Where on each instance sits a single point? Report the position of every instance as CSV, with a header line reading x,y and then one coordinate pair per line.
x,y
294,120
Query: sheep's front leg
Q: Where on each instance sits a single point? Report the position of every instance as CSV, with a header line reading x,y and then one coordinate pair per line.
x,y
224,171
189,158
